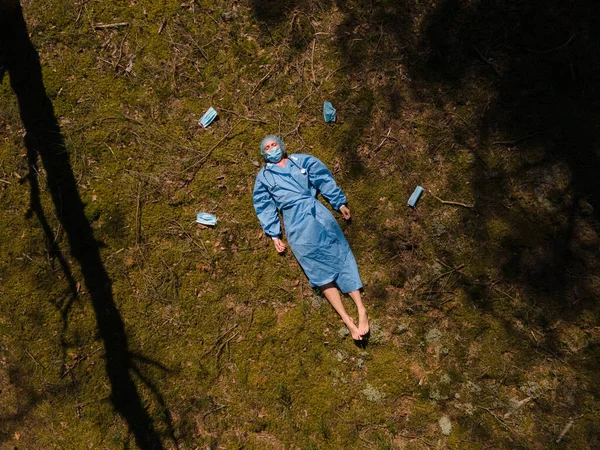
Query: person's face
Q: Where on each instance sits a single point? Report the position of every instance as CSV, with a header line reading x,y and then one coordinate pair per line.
x,y
270,144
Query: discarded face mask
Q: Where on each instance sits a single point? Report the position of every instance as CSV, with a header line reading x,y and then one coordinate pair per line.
x,y
206,219
414,198
208,117
329,113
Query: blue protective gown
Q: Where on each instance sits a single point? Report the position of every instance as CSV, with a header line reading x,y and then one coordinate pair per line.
x,y
313,234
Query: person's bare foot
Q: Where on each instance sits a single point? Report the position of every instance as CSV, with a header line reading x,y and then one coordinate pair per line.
x,y
363,322
353,329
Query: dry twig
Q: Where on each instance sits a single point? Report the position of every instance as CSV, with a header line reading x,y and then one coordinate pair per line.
x,y
218,408
564,431
517,407
312,61
495,417
251,119
110,25
492,65
516,141
446,202
219,339
543,52
138,218
262,80
202,160
385,138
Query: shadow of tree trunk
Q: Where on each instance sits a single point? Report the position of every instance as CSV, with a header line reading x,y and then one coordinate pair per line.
x,y
44,138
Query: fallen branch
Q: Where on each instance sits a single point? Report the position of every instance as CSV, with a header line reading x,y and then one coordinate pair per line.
x,y
495,417
138,218
251,119
446,202
202,160
162,26
218,408
517,407
35,360
312,61
385,138
218,354
262,80
110,25
516,141
504,293
564,431
454,269
219,339
543,52
487,61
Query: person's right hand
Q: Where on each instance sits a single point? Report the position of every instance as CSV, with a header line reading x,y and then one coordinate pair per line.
x,y
345,212
279,245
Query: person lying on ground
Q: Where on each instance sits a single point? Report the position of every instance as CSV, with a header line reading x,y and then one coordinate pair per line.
x,y
289,185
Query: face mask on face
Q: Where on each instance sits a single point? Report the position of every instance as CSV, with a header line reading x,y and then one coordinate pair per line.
x,y
274,155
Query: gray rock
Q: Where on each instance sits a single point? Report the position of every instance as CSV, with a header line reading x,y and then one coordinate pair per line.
x,y
532,389
445,425
343,332
316,302
377,334
436,395
401,328
433,335
372,394
341,355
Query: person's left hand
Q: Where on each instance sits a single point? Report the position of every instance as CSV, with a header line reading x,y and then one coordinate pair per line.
x,y
345,212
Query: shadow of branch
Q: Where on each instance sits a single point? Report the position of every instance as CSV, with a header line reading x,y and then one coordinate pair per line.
x,y
44,139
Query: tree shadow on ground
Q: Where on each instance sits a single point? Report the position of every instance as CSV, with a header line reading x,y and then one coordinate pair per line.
x,y
528,73
541,62
44,140
538,63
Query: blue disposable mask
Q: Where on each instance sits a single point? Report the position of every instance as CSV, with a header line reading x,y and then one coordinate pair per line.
x,y
274,155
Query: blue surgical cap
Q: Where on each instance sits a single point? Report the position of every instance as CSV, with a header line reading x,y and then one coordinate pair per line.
x,y
274,138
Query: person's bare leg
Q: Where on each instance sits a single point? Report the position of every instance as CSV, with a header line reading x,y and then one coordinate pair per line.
x,y
333,295
363,319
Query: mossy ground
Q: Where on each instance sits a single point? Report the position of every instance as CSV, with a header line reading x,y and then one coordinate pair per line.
x,y
473,309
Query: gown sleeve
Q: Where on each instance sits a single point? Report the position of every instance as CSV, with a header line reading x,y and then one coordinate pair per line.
x,y
266,211
322,179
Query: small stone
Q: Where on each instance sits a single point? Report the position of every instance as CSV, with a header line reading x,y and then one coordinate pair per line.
x,y
377,334
473,387
372,394
445,425
401,328
532,389
437,268
341,355
433,335
343,332
360,363
436,395
316,302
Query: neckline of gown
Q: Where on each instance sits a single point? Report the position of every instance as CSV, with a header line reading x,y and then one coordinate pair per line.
x,y
279,168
